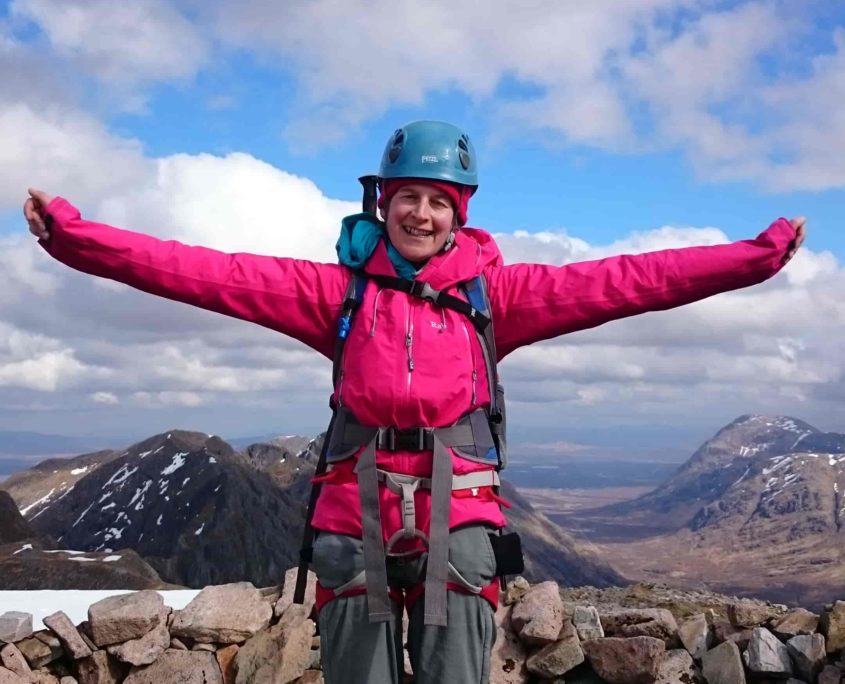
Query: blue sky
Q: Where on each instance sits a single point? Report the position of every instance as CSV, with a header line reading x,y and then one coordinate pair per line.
x,y
600,129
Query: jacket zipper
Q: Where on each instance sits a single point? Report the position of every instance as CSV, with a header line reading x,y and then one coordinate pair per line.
x,y
409,342
472,360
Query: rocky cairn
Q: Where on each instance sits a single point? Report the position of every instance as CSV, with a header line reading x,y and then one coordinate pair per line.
x,y
238,634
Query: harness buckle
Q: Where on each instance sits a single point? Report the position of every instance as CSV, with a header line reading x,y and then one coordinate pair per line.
x,y
423,290
410,439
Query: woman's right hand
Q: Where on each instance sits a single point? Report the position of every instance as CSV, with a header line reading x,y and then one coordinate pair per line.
x,y
34,212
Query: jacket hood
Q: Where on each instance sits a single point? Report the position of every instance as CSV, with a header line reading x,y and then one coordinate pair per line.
x,y
473,251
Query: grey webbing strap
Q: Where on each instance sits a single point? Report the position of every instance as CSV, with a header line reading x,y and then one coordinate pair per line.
x,y
473,480
378,603
437,571
409,511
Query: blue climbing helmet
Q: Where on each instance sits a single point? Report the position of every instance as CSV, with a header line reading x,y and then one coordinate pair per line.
x,y
435,150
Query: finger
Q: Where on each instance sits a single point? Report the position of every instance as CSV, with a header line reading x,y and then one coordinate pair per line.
x,y
41,198
798,222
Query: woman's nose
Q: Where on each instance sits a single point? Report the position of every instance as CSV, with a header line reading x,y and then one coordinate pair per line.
x,y
422,209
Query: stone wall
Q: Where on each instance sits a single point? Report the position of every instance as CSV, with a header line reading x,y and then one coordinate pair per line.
x,y
237,634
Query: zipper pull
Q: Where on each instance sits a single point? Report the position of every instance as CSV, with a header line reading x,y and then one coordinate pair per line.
x,y
408,342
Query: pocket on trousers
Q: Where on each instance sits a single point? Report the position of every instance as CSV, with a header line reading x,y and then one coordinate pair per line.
x,y
471,552
337,558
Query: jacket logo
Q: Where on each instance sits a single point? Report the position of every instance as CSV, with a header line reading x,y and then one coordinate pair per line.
x,y
439,326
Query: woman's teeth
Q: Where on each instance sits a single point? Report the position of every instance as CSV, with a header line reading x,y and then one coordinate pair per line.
x,y
416,232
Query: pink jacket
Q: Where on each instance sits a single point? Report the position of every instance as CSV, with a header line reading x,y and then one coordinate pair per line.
x,y
408,363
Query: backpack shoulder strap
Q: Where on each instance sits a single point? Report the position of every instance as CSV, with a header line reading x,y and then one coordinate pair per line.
x,y
476,294
352,299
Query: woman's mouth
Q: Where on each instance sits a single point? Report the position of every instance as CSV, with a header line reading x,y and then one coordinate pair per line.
x,y
417,232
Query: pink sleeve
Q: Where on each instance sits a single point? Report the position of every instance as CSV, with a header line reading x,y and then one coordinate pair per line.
x,y
296,297
533,302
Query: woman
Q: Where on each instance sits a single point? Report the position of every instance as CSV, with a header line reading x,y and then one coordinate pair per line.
x,y
388,532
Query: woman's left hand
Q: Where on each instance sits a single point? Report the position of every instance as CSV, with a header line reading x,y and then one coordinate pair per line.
x,y
800,233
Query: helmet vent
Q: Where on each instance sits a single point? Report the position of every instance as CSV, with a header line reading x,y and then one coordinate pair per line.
x,y
463,151
393,155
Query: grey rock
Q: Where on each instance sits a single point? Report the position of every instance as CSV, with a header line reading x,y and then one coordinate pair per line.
x,y
725,631
9,677
199,646
559,657
808,655
587,623
795,622
658,623
507,660
226,614
178,667
634,660
123,617
67,679
37,653
278,655
832,625
73,643
695,635
147,649
723,665
766,655
515,590
747,613
288,588
830,675
15,626
14,660
178,644
100,668
311,677
43,677
678,668
538,618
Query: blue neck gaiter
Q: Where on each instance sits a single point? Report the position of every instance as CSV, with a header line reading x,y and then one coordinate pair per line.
x,y
359,236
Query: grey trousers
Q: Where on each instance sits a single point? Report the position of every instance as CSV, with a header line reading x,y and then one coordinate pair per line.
x,y
353,651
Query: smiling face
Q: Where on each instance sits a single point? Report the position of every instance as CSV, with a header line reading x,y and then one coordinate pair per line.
x,y
419,220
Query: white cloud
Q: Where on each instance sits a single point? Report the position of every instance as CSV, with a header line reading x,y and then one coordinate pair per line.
x,y
717,83
108,398
123,44
65,151
35,361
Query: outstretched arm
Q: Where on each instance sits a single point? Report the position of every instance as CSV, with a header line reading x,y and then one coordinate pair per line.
x,y
296,297
533,302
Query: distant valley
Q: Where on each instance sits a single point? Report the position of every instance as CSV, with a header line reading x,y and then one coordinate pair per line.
x,y
758,509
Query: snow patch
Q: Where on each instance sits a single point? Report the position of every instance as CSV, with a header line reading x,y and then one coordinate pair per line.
x,y
211,459
199,531
22,548
140,492
122,474
178,462
111,559
43,499
82,515
79,471
114,533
